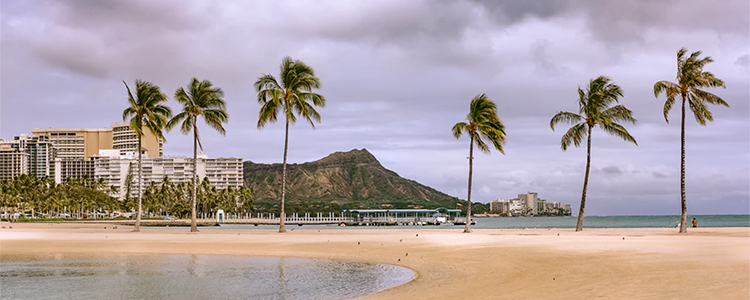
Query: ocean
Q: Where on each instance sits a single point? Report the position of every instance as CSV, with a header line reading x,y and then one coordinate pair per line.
x,y
554,222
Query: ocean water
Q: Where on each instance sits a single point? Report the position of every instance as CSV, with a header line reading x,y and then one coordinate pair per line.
x,y
195,277
548,222
613,221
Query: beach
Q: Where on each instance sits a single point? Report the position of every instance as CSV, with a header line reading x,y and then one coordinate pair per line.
x,y
653,263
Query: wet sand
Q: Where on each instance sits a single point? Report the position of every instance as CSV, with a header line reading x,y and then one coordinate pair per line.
x,y
706,263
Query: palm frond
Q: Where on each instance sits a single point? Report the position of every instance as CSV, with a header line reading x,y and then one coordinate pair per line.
x,y
564,117
618,113
459,129
618,131
574,135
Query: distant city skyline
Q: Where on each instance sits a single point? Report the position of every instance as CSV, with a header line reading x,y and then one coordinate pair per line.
x,y
398,74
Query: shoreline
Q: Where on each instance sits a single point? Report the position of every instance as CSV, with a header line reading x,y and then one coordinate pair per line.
x,y
613,263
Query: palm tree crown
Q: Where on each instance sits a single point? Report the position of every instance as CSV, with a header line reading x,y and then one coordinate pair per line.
x,y
294,97
200,100
690,79
483,123
147,110
594,109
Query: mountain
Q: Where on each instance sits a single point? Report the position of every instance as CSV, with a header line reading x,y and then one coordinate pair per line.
x,y
342,180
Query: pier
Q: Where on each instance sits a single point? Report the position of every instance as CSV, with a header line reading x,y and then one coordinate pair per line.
x,y
361,217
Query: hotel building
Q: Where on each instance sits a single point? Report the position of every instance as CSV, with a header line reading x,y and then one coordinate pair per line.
x,y
113,168
13,161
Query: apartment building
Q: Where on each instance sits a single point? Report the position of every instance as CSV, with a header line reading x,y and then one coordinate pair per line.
x,y
40,153
125,140
530,199
113,168
529,204
76,143
13,161
73,168
499,206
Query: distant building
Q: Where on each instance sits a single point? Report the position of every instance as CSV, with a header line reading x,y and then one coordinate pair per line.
x,y
499,206
516,206
125,140
76,143
73,168
113,168
13,161
84,143
26,155
529,199
528,204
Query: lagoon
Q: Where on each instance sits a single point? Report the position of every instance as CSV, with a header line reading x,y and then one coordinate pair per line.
x,y
195,277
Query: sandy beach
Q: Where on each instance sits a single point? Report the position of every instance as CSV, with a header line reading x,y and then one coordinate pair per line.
x,y
706,263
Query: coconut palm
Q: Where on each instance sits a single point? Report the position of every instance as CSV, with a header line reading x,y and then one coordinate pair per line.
x,y
293,97
690,79
483,122
594,109
201,99
146,110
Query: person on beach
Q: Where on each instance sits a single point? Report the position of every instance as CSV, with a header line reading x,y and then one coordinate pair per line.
x,y
695,223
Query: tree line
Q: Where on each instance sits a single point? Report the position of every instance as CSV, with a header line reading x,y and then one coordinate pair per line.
x,y
88,198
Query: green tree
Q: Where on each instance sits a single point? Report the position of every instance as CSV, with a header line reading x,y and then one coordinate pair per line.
x,y
146,110
293,97
201,99
482,122
594,108
690,79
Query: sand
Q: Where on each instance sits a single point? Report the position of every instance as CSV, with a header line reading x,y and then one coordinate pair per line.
x,y
706,263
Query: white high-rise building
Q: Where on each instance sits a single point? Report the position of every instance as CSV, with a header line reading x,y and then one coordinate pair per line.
x,y
113,167
13,160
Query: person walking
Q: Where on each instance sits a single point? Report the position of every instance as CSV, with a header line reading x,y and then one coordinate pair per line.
x,y
695,223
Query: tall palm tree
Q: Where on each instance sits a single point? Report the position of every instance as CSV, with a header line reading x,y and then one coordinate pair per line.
x,y
483,122
147,110
690,79
293,97
201,99
594,109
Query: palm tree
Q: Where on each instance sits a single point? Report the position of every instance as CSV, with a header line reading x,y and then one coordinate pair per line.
x,y
147,110
594,109
690,79
483,122
201,99
292,96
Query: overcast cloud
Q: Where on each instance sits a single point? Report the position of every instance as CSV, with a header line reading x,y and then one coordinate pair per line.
x,y
398,74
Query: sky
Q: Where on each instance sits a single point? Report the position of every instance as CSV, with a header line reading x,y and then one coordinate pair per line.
x,y
398,74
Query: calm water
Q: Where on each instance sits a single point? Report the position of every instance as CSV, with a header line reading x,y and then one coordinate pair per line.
x,y
557,222
195,277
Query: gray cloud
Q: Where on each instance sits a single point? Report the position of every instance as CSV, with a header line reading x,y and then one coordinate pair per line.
x,y
743,62
398,75
611,170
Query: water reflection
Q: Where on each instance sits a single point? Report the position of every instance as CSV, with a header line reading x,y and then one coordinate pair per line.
x,y
195,277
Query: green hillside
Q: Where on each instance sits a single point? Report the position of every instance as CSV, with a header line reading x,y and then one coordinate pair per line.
x,y
342,180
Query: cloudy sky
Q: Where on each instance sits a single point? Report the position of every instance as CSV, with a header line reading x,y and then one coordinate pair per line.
x,y
398,74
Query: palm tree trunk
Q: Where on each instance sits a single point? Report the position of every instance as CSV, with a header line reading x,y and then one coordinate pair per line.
x,y
193,226
140,194
579,225
467,229
282,229
683,217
